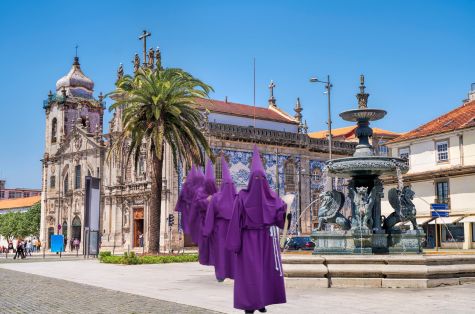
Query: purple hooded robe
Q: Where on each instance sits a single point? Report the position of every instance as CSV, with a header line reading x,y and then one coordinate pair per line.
x,y
217,219
198,214
185,198
254,236
194,179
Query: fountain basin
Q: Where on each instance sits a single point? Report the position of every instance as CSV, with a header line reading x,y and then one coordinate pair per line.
x,y
363,114
365,166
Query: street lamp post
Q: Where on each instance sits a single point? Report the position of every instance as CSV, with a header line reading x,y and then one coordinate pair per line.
x,y
328,87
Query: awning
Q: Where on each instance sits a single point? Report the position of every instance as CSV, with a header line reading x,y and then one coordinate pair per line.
x,y
468,219
446,220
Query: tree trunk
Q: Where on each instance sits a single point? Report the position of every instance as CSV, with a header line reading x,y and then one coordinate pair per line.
x,y
155,208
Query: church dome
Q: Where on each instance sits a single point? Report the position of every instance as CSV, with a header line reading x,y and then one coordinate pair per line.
x,y
75,82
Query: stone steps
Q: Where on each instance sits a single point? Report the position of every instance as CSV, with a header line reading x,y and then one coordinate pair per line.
x,y
383,271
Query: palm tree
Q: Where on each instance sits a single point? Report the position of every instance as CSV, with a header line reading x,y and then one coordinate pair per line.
x,y
159,108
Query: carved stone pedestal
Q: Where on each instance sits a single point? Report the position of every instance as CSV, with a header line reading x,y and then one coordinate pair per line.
x,y
333,242
363,240
380,243
406,241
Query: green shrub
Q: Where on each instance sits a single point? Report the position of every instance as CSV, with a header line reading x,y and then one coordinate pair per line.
x,y
104,254
132,259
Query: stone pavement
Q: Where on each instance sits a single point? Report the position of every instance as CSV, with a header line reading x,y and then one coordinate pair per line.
x,y
194,285
26,293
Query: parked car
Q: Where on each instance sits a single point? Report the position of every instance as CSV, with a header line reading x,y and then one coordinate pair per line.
x,y
300,243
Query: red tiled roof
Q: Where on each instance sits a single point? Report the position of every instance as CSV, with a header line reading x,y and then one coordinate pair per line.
x,y
460,118
348,132
20,202
241,110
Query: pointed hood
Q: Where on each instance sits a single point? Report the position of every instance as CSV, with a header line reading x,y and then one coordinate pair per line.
x,y
187,191
227,193
210,182
260,202
256,164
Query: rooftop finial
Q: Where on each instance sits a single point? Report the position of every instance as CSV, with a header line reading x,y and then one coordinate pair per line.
x,y
298,110
362,96
271,97
76,58
120,71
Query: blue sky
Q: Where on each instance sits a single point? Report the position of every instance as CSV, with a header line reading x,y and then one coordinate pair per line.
x,y
417,56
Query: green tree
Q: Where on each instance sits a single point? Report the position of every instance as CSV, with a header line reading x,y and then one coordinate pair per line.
x,y
8,225
160,108
32,219
21,224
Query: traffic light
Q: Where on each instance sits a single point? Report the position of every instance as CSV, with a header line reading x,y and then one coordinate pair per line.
x,y
171,220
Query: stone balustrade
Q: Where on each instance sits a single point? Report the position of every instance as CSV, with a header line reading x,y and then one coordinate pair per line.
x,y
274,137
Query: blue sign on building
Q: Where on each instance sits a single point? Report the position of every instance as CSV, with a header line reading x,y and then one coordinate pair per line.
x,y
439,206
439,213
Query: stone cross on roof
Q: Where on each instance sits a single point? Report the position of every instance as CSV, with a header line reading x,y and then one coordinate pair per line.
x,y
144,36
271,97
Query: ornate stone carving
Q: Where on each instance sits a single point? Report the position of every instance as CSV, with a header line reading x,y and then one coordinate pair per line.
x,y
136,62
329,212
77,141
126,217
50,220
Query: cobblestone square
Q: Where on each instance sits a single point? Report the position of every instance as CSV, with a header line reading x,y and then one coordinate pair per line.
x,y
86,286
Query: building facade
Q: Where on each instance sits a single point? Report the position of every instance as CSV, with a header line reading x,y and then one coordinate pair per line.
x,y
378,140
76,146
441,157
17,192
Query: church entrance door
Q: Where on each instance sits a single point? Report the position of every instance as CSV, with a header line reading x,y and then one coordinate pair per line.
x,y
138,227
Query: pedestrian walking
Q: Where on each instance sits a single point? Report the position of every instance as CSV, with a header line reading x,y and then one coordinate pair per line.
x,y
140,239
28,248
19,250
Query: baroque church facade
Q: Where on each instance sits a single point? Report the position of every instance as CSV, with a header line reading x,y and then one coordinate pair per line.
x,y
76,146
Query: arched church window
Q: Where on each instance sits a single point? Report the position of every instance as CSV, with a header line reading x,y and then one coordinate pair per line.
x,y
289,173
66,184
54,127
218,170
77,181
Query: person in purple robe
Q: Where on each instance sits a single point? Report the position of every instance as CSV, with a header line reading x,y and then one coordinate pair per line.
x,y
216,224
194,180
254,235
198,213
185,198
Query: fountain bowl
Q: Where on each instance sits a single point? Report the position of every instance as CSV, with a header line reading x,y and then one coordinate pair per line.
x,y
363,114
365,166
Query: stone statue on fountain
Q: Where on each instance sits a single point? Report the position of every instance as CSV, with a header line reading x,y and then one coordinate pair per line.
x,y
404,209
329,212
